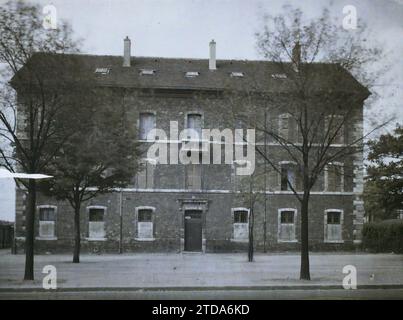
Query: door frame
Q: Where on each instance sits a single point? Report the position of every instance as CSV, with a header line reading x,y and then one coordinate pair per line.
x,y
192,204
201,227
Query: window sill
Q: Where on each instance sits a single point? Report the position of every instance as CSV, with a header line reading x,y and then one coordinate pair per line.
x,y
240,240
287,241
324,192
144,239
334,241
46,238
96,239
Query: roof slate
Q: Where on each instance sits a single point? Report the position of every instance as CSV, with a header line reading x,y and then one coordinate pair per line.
x,y
170,73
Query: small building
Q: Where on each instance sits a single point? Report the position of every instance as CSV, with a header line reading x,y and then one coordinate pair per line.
x,y
6,234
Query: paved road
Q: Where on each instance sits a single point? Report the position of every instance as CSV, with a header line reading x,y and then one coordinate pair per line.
x,y
201,270
214,295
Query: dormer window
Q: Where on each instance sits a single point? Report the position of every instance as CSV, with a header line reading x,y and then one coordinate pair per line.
x,y
279,76
102,70
237,74
147,72
191,74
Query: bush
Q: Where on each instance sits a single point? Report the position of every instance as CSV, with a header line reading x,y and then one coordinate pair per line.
x,y
385,236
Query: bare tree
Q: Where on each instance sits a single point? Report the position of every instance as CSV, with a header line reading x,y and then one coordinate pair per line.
x,y
251,192
35,138
315,114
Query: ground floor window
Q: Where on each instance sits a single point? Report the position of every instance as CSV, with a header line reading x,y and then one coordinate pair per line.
x,y
96,222
47,219
144,223
286,225
240,224
333,225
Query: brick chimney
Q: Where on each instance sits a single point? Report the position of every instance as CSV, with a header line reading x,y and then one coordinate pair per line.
x,y
126,52
212,60
296,56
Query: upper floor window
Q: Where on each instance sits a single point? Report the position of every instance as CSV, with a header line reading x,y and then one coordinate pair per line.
x,y
240,224
145,225
333,225
288,176
237,180
334,177
145,177
96,224
284,126
286,225
194,121
239,123
146,124
334,129
47,218
193,176
288,129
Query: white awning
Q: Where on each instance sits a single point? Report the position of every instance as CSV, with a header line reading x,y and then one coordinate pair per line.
x,y
7,174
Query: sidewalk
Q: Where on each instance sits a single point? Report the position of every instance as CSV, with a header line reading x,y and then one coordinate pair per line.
x,y
181,271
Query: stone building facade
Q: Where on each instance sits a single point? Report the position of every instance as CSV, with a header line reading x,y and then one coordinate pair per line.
x,y
197,207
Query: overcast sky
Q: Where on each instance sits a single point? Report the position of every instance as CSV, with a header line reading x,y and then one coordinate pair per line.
x,y
183,28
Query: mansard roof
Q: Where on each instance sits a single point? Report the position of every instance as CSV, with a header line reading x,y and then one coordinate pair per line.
x,y
170,73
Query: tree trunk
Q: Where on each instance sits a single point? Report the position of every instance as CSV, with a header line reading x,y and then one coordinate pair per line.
x,y
30,231
250,244
304,272
77,234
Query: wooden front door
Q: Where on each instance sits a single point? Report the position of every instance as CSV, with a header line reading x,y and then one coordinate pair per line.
x,y
193,230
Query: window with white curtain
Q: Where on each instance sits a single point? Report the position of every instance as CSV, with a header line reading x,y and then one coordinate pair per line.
x,y
145,225
47,221
240,224
96,222
333,225
146,124
194,121
287,225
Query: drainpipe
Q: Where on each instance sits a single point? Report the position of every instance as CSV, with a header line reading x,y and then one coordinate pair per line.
x,y
265,185
121,222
